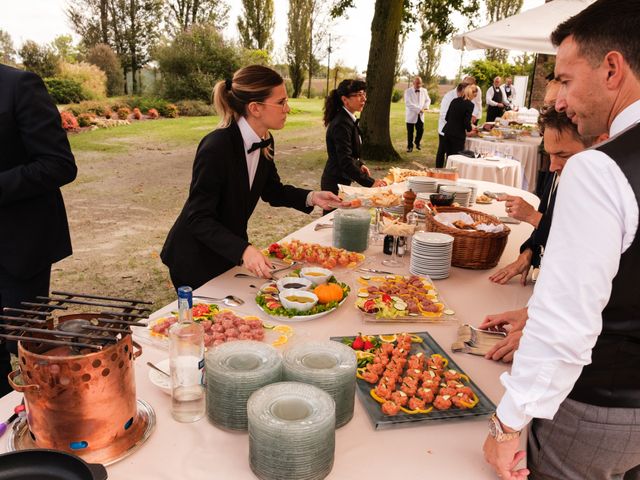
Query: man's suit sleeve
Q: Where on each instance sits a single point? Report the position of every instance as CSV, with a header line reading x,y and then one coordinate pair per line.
x,y
51,162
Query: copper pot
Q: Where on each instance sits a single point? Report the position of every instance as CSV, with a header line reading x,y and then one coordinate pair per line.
x,y
80,403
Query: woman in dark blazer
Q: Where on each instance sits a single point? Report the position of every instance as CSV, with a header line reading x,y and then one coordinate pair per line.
x,y
344,138
233,168
459,121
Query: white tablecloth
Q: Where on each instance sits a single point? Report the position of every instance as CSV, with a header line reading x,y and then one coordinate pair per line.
x,y
503,170
199,451
524,150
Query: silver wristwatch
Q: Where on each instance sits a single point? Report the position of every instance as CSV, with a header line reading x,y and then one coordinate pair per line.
x,y
495,431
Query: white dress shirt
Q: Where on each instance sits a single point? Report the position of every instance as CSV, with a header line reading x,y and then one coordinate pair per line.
x,y
444,107
414,103
489,96
477,104
249,137
595,220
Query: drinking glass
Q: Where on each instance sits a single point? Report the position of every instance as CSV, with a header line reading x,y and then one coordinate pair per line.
x,y
395,260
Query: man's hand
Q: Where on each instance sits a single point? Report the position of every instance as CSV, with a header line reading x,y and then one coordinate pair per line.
x,y
501,105
518,208
254,261
379,183
516,319
506,348
504,457
327,200
519,267
364,169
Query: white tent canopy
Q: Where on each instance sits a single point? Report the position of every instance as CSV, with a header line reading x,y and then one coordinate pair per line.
x,y
527,31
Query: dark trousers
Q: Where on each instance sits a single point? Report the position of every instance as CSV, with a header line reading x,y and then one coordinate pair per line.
x,y
453,145
493,112
441,154
13,291
419,131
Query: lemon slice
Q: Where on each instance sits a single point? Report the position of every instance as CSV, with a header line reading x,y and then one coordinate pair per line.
x,y
284,330
449,312
363,294
362,355
416,339
365,277
282,339
388,338
363,281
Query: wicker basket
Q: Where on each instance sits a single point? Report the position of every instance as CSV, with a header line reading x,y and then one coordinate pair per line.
x,y
472,248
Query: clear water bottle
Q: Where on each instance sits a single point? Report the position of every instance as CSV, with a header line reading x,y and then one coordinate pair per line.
x,y
186,362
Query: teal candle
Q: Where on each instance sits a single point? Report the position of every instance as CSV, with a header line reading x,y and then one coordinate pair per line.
x,y
351,229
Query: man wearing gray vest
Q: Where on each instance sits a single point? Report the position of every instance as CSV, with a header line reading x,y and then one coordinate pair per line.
x,y
575,378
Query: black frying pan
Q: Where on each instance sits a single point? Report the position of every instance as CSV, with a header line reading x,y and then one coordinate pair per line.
x,y
48,465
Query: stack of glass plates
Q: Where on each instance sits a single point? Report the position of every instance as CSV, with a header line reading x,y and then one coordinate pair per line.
x,y
397,210
474,190
422,184
463,194
328,365
291,432
234,371
431,254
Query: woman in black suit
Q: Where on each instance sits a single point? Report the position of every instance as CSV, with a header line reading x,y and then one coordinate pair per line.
x,y
459,121
233,168
343,138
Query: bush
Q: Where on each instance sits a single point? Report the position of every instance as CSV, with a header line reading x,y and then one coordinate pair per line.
x,y
117,104
69,121
64,90
145,103
39,59
169,110
108,113
86,119
102,56
123,113
193,62
195,108
91,78
153,113
396,95
95,107
137,114
434,93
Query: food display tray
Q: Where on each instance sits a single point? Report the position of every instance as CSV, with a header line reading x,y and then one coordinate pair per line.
x,y
429,346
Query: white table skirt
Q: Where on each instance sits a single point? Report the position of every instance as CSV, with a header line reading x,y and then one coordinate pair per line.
x,y
524,150
503,171
198,451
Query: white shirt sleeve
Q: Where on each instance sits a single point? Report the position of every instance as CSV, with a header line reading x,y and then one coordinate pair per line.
x,y
489,97
477,109
594,222
444,106
427,100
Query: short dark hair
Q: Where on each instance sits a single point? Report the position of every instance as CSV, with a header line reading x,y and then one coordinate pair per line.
x,y
550,118
604,26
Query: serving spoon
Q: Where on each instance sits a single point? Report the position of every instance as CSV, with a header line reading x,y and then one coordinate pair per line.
x,y
158,369
229,300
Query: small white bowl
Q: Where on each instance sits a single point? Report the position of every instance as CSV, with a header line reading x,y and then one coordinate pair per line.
x,y
294,305
159,380
303,282
316,275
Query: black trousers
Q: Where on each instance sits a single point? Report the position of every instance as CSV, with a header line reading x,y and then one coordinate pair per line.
x,y
453,145
419,131
13,291
441,154
493,112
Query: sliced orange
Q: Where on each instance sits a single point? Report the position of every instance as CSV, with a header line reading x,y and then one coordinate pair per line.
x,y
282,339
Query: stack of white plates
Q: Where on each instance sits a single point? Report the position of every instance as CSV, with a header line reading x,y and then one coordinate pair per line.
x,y
463,194
234,371
291,432
444,182
422,184
431,254
474,190
328,365
397,210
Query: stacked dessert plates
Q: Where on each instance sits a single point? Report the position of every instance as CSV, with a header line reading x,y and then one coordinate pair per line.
x,y
431,254
422,184
291,432
234,371
463,194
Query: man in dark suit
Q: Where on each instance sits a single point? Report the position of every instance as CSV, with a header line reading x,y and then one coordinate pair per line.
x,y
35,161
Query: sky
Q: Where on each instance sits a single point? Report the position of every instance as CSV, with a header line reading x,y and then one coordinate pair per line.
x,y
43,20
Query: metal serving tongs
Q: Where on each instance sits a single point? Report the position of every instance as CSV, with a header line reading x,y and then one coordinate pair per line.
x,y
373,270
275,270
494,195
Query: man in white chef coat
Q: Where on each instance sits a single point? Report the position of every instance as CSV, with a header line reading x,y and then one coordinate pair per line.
x,y
416,101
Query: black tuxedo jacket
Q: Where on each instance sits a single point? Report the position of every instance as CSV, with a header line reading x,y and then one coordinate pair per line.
x,y
210,235
35,161
538,238
458,118
343,147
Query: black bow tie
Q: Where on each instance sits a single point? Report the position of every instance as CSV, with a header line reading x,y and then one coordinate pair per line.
x,y
418,90
262,144
357,121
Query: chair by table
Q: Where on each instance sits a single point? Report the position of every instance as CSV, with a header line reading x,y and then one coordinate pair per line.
x,y
503,170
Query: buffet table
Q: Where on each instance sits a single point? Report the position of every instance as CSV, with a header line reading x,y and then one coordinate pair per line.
x,y
524,150
498,170
202,451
